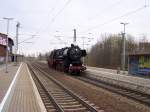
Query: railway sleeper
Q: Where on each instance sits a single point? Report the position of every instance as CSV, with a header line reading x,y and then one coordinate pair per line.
x,y
82,109
69,103
50,106
143,98
51,110
64,98
59,94
147,100
69,100
46,101
65,95
72,106
53,91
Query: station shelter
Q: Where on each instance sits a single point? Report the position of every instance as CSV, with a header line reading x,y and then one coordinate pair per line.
x,y
3,41
139,63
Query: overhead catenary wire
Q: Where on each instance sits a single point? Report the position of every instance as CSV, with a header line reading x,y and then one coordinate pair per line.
x,y
104,10
116,18
56,15
54,18
49,13
33,36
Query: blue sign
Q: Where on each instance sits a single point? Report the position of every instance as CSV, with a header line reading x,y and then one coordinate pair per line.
x,y
139,65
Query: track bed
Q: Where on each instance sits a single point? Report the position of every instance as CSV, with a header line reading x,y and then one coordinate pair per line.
x,y
105,100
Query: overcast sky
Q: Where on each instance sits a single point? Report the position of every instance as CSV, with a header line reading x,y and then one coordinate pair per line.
x,y
49,19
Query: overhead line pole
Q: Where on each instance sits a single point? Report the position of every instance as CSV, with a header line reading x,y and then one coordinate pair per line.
x,y
16,47
7,44
124,48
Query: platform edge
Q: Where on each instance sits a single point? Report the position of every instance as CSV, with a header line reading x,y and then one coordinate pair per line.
x,y
7,98
38,98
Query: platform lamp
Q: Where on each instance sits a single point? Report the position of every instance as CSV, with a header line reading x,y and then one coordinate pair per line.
x,y
8,20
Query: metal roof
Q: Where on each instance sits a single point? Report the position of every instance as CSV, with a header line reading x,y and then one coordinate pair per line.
x,y
139,53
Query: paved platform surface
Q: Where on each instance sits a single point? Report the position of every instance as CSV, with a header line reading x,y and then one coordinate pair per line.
x,y
2,66
24,98
107,70
6,78
137,83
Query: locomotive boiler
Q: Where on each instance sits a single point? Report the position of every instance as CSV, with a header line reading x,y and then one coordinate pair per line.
x,y
68,59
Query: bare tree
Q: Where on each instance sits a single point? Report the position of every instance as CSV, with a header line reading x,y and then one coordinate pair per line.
x,y
107,52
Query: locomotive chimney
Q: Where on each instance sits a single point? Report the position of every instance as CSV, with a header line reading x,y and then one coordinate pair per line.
x,y
74,39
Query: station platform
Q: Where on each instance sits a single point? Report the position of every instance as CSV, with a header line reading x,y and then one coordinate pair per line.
x,y
124,80
22,94
6,78
107,70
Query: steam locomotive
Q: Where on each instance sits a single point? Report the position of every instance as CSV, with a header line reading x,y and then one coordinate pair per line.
x,y
67,59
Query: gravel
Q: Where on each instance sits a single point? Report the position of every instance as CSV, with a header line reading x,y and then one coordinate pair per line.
x,y
107,101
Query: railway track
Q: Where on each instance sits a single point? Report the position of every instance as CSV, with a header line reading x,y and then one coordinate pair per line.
x,y
132,94
129,93
56,97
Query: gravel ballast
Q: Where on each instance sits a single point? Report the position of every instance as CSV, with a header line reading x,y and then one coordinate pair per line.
x,y
107,101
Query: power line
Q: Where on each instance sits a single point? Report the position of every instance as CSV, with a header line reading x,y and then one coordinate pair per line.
x,y
104,10
116,18
54,18
33,36
50,12
57,14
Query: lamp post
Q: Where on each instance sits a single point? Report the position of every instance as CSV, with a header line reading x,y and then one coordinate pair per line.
x,y
16,46
7,19
124,48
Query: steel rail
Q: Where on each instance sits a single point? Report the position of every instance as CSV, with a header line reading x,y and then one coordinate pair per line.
x,y
91,108
129,93
58,107
132,94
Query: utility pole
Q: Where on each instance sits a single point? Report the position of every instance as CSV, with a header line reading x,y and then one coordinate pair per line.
x,y
83,43
124,49
16,47
89,40
75,36
7,44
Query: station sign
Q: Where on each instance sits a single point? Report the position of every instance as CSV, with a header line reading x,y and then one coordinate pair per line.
x,y
2,40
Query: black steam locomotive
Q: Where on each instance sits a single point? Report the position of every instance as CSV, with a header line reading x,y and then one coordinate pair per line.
x,y
67,59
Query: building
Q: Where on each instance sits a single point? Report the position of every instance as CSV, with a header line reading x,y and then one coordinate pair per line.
x,y
19,58
3,38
